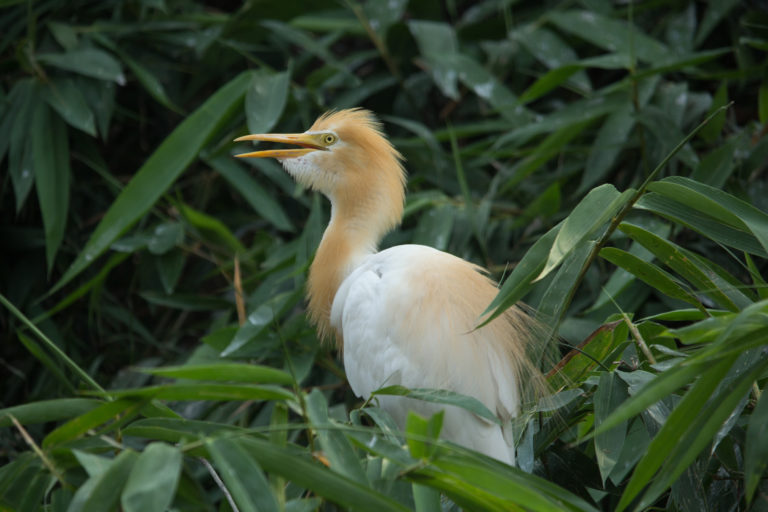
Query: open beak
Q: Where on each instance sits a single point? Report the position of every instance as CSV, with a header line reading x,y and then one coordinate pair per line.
x,y
307,141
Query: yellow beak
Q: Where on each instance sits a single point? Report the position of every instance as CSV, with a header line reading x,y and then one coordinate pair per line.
x,y
308,141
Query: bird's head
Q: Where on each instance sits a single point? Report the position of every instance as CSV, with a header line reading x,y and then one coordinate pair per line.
x,y
344,155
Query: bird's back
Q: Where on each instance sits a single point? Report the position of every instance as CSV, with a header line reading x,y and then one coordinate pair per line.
x,y
408,316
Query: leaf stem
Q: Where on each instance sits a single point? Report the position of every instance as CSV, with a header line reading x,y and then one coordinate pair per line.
x,y
639,339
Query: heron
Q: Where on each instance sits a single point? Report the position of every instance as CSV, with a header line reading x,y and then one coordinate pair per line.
x,y
407,315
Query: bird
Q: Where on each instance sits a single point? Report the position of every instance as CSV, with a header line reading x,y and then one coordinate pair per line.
x,y
408,315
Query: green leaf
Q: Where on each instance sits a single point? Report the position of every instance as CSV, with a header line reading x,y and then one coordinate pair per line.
x,y
554,53
260,200
206,391
242,476
64,34
676,424
186,302
435,227
611,139
577,113
145,77
715,12
592,212
306,473
174,430
557,295
63,95
438,45
711,131
169,266
93,464
613,35
652,392
593,350
383,15
422,434
233,372
170,159
551,147
520,281
152,482
718,165
102,491
50,158
701,222
756,447
165,237
100,415
211,229
699,433
265,100
442,396
684,263
727,208
45,411
649,274
611,392
88,62
336,447
478,485
14,130
310,45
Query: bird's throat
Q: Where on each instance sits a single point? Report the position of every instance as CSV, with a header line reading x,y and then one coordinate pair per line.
x,y
346,242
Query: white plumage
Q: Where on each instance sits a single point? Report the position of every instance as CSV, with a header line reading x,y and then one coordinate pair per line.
x,y
403,324
407,315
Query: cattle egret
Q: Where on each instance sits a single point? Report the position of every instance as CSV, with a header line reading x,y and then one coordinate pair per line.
x,y
406,315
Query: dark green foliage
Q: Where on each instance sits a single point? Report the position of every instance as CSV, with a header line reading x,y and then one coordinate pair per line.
x,y
154,349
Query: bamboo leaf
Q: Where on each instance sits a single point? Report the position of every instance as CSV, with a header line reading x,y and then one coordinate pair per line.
x,y
312,475
168,161
68,101
242,475
259,199
756,449
611,393
442,396
50,158
45,411
521,279
86,61
233,372
597,208
102,491
649,273
334,444
684,263
265,100
152,482
729,210
673,429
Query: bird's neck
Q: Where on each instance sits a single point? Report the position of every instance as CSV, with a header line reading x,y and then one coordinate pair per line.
x,y
352,234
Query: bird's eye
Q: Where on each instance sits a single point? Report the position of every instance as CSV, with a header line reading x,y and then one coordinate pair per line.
x,y
329,138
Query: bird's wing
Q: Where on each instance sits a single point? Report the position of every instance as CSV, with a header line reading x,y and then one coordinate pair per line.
x,y
408,316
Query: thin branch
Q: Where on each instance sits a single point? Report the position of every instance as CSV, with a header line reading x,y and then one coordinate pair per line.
x,y
31,443
639,339
238,283
219,482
